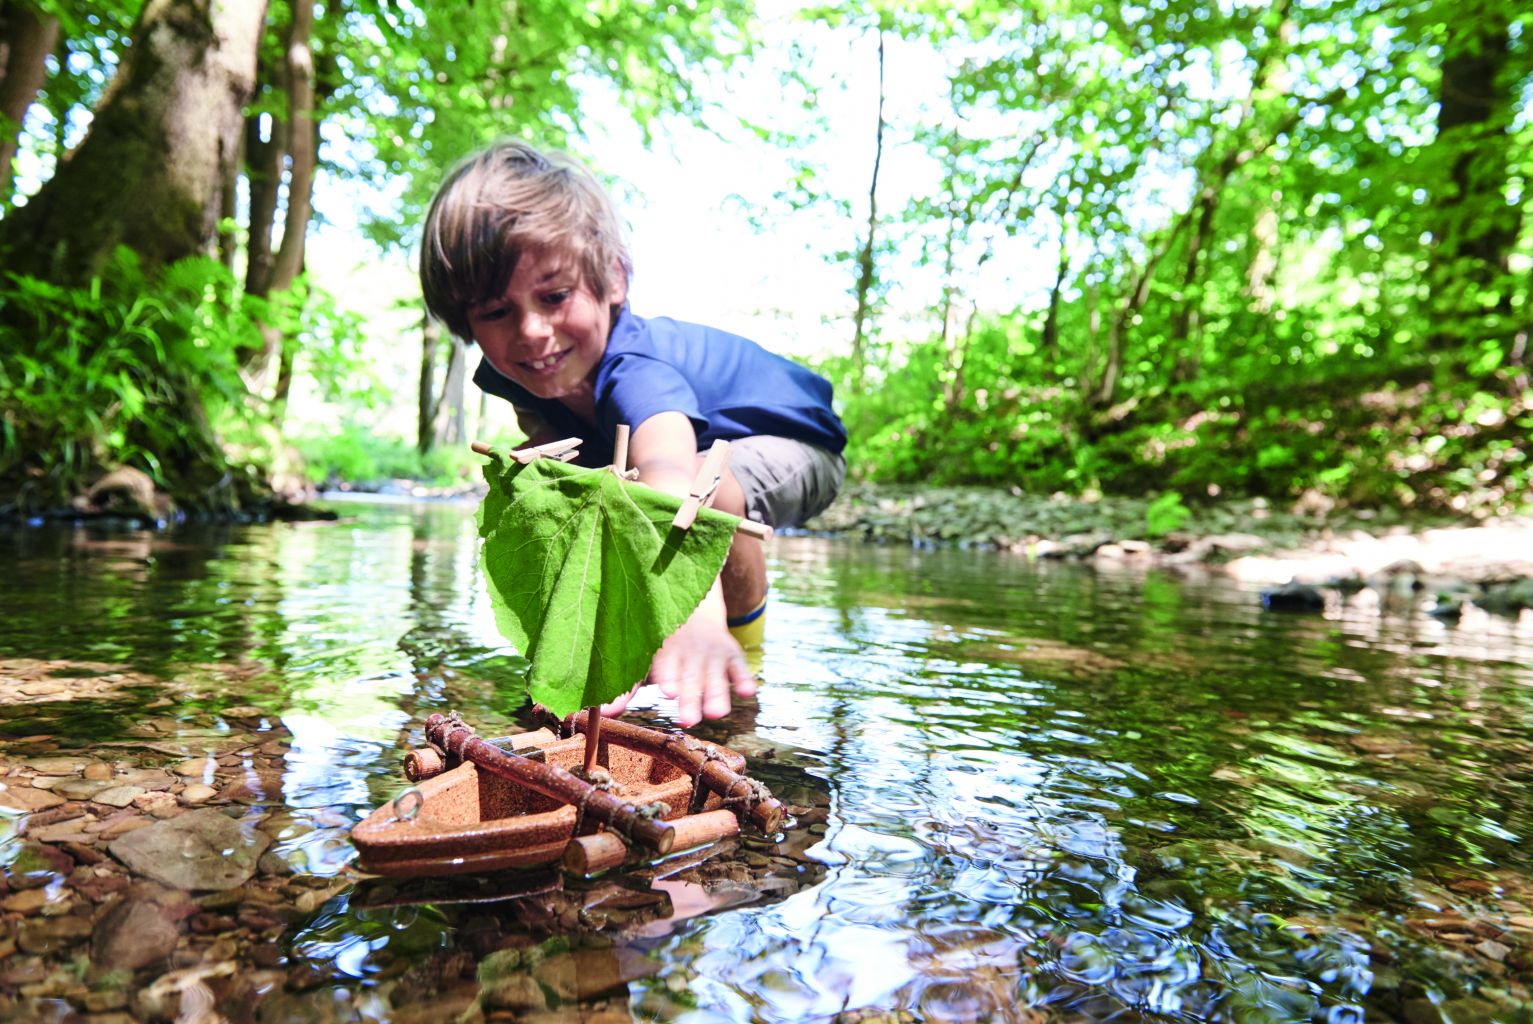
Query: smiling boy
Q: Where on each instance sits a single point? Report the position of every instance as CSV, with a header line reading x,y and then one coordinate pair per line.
x,y
523,255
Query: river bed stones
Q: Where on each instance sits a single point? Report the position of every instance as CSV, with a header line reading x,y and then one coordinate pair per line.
x,y
133,933
202,849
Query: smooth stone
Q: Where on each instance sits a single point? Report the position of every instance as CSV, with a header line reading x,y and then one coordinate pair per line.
x,y
51,934
118,796
26,902
133,934
198,793
197,767
147,778
99,772
27,799
71,831
36,865
202,849
80,789
57,765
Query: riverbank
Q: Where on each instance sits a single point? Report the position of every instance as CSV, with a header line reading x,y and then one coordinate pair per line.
x,y
1488,563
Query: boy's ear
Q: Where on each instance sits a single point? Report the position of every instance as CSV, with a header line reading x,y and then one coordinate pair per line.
x,y
619,291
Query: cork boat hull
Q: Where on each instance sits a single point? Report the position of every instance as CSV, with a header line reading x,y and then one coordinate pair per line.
x,y
469,820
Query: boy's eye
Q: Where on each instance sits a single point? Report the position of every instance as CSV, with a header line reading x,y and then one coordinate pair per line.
x,y
493,313
555,298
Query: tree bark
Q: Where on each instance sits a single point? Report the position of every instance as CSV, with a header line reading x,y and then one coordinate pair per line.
x,y
300,136
28,39
1475,228
149,173
425,395
865,263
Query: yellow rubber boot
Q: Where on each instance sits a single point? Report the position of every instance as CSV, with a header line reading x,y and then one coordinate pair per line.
x,y
749,629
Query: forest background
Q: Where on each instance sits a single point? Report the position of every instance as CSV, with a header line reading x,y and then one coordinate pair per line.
x,y
1266,249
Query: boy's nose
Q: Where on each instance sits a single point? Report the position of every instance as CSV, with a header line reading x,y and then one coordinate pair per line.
x,y
536,326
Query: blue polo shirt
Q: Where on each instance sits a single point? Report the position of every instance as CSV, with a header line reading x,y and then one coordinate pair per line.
x,y
728,386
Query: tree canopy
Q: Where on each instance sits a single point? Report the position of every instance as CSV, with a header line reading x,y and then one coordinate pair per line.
x,y
1284,247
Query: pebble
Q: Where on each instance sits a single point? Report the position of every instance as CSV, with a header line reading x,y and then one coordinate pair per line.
x,y
50,934
123,826
197,767
80,789
57,765
118,796
198,793
26,902
99,771
72,831
132,934
27,799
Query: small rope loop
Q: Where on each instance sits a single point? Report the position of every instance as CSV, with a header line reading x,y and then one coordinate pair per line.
x,y
406,809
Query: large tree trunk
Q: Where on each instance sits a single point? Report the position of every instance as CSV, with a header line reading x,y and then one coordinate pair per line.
x,y
149,173
28,38
1475,228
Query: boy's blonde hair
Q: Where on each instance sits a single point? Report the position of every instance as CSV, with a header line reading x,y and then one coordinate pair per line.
x,y
498,203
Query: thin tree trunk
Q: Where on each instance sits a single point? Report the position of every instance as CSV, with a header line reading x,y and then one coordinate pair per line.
x,y
1056,299
301,139
29,38
425,394
451,428
865,262
264,157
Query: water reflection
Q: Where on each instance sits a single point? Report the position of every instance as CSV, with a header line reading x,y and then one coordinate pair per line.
x,y
1033,791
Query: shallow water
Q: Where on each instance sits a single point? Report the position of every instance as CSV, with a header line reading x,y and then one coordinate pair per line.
x,y
1027,792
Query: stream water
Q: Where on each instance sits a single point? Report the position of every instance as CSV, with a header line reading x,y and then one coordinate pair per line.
x,y
1023,792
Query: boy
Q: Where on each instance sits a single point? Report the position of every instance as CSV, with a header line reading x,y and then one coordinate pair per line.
x,y
522,254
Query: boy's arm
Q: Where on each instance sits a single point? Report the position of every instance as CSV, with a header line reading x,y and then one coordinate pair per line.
x,y
701,662
537,431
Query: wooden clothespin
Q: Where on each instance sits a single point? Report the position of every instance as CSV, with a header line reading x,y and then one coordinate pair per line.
x,y
705,486
564,450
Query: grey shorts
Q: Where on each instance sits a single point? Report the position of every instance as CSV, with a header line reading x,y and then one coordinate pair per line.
x,y
785,482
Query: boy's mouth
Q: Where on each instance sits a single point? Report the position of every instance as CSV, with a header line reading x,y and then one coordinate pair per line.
x,y
548,363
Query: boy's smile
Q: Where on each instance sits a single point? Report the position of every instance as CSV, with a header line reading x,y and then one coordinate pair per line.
x,y
548,331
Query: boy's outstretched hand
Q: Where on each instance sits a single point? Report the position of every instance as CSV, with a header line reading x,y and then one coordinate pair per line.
x,y
698,666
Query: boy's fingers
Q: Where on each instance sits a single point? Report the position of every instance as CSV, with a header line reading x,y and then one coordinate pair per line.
x,y
689,701
618,706
741,676
716,688
663,673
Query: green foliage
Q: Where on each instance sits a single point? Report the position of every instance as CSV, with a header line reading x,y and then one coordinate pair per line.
x,y
356,456
99,375
587,575
1291,247
1165,514
128,370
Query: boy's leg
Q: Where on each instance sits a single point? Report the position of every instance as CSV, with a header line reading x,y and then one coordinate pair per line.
x,y
744,574
779,482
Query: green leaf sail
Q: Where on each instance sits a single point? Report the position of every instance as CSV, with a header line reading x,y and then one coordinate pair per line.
x,y
588,577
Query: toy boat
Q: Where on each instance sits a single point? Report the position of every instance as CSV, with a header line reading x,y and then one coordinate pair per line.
x,y
536,799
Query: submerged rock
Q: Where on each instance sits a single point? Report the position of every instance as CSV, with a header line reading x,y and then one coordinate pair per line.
x,y
201,849
133,934
1293,597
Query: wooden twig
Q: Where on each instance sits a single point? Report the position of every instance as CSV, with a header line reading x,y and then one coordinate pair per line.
x,y
564,451
586,855
620,449
765,811
551,781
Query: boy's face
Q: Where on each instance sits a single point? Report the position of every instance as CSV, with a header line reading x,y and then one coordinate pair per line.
x,y
547,331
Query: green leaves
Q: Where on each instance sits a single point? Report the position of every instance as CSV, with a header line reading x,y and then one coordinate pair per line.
x,y
587,576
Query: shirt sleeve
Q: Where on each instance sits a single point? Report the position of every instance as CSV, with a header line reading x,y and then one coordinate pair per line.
x,y
640,387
